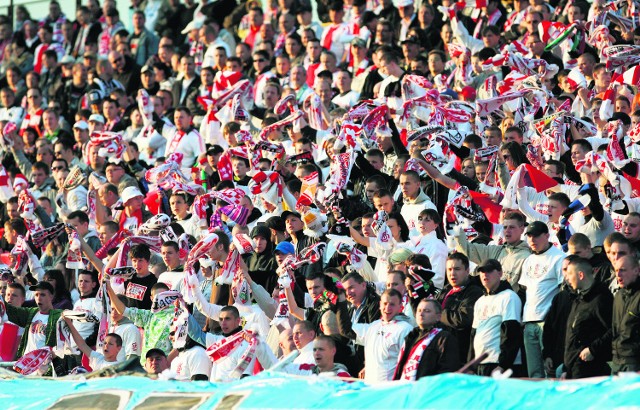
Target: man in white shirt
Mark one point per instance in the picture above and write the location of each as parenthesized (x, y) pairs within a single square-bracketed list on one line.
[(87, 286), (170, 252), (209, 36), (541, 278), (128, 332), (496, 328), (382, 339), (183, 138), (110, 350), (303, 335), (192, 363), (414, 201)]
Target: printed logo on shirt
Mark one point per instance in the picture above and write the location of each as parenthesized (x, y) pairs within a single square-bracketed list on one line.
[(488, 311), (135, 291), (38, 328)]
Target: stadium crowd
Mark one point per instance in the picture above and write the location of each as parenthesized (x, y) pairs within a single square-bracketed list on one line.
[(365, 188)]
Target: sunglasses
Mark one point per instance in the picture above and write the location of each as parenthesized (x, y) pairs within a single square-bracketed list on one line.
[(259, 60)]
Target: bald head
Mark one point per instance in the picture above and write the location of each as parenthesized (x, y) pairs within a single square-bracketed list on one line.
[(627, 270)]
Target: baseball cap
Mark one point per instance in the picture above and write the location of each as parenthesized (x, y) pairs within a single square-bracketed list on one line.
[(285, 248), (130, 192), (276, 223), (411, 39), (155, 351), (145, 68), (97, 118), (403, 3), (536, 228), (42, 286), (287, 214), (94, 97), (358, 42), (81, 125), (67, 59), (193, 25), (489, 265)]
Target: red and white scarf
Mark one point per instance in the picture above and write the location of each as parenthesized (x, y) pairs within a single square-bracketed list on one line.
[(228, 345), (410, 368), (33, 361)]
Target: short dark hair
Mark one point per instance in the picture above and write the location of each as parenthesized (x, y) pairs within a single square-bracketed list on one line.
[(586, 145), (231, 309), (515, 216), (223, 239), (140, 251), (41, 166), (172, 244), (82, 216), (459, 256), (306, 325), (352, 275), (17, 225), (16, 285), (419, 259), (93, 274), (560, 197), (392, 292), (117, 338)]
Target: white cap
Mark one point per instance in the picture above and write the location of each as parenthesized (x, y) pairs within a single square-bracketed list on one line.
[(97, 118), (130, 192), (403, 3), (81, 125), (193, 25), (67, 59)]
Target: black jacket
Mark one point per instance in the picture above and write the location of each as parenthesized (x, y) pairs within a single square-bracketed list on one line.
[(588, 325), (555, 326), (457, 313), (440, 356), (190, 96), (511, 338), (626, 325), (370, 313)]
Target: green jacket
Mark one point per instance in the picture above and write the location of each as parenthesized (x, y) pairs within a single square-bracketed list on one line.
[(23, 318)]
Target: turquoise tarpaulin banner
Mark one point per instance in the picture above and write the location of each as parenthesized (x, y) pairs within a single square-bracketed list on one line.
[(275, 391)]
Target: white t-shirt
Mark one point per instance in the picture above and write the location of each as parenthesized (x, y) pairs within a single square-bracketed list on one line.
[(382, 342), (37, 333), (191, 362), (131, 340), (85, 305), (171, 278), (488, 314), (436, 250), (98, 362), (542, 275), (410, 214)]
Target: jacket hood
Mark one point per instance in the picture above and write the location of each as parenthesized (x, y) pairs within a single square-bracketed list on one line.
[(422, 197), (401, 317), (504, 285)]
